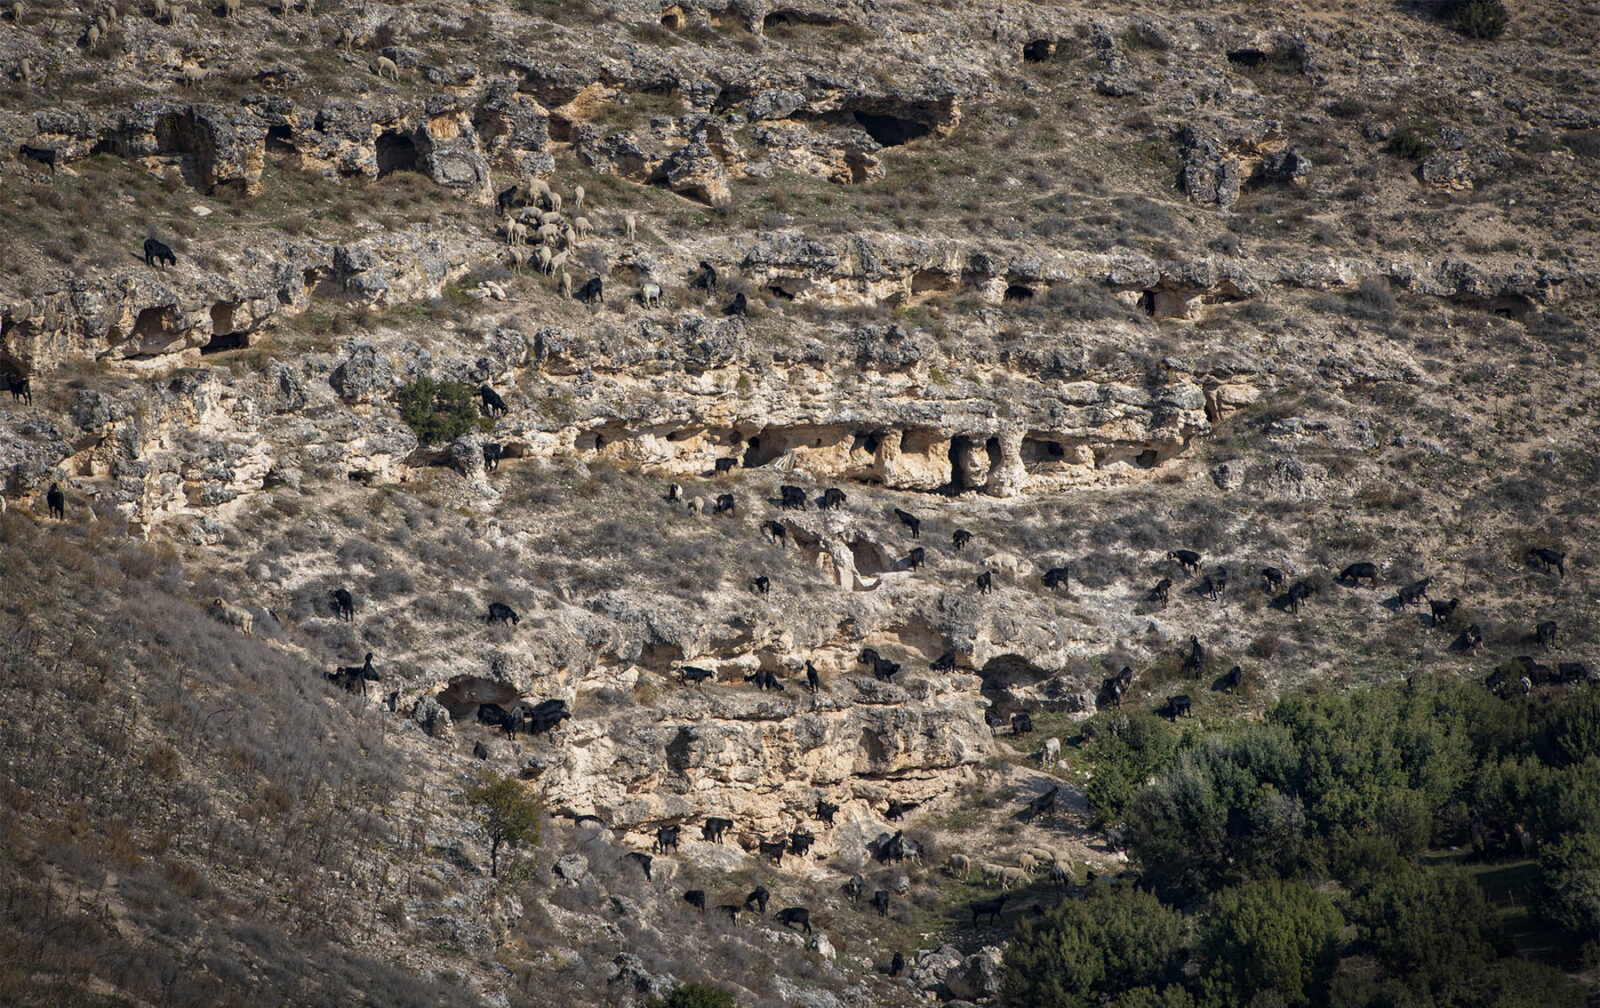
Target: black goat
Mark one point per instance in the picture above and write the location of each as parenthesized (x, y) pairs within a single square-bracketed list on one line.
[(825, 811), (1471, 639), (855, 887), (594, 289), (667, 839), (1195, 664), (960, 539), (1056, 577), (724, 505), (1042, 804), (794, 915), (691, 674), (492, 454), (344, 604), (792, 497), (813, 681), (880, 902), (1545, 634), (641, 859), (1212, 585), (945, 662), (985, 582), (885, 670), (1298, 593), (1272, 577), (761, 584), (832, 498), (1414, 592), (898, 808), (994, 721), (1231, 681), (1548, 559), (758, 899), (156, 252), (800, 843), (917, 557), (492, 403), (910, 521), (696, 898), (897, 965), (987, 908), (1180, 706), (20, 387), (502, 612), (353, 678), (707, 280), (1021, 724), (723, 465), (773, 850), (775, 532), (1189, 560), (731, 909), (1442, 611), (739, 306), (480, 751), (868, 656), (56, 501), (712, 832), (1160, 593), (1354, 573)]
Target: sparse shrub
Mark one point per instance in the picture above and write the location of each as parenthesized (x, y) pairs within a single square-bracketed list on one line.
[(437, 411), (695, 995), (1409, 144), (1478, 19), (1347, 108)]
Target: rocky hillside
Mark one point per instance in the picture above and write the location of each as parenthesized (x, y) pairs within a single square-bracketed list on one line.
[(1287, 287)]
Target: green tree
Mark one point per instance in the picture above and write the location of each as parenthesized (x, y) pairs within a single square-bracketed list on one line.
[(438, 411), (1272, 940), (511, 816), (1571, 872), (1117, 939), (1431, 927)]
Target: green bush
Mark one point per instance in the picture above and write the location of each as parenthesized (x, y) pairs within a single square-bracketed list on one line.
[(1409, 144), (1479, 19), (510, 814), (438, 411), (695, 995), (1272, 937), (1117, 939)]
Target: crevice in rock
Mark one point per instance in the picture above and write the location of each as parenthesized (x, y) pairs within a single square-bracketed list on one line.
[(464, 694), (397, 151), (1038, 50), (225, 341), (784, 17), (891, 130), (280, 140)]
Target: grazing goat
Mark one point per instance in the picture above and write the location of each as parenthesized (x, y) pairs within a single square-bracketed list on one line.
[(641, 859), (724, 504), (1195, 664), (1231, 681), (1056, 577), (1160, 593), (832, 498), (1545, 633), (775, 532), (1059, 876), (960, 538), (502, 612), (157, 252), (792, 497), (910, 521), (761, 584), (696, 898), (1355, 572), (1212, 585), (353, 678), (987, 908), (1188, 560), (712, 832), (880, 902), (1548, 558), (1180, 706), (1021, 724), (691, 674), (56, 501), (758, 899), (794, 915), (825, 811), (493, 405), (916, 558), (1272, 578), (1298, 593), (674, 492), (592, 290), (986, 582), (706, 280), (739, 306), (945, 662), (1414, 592), (344, 604), (232, 615)]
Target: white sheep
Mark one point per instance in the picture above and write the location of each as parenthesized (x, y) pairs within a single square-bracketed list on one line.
[(1043, 855), (230, 8), (630, 224), (111, 14), (569, 237), (92, 37), (1007, 563), (516, 233), (1050, 755), (347, 38), (538, 189), (582, 226), (25, 72), (174, 13), (551, 217), (577, 199), (1027, 863), (553, 199), (559, 262), (232, 615), (386, 67), (1013, 876), (519, 258), (991, 872), (191, 74), (960, 863), (17, 10), (161, 8), (566, 285), (697, 506), (546, 234), (541, 258), (650, 294)]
